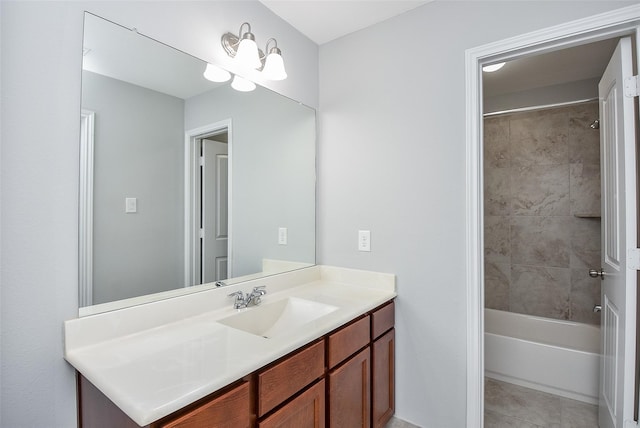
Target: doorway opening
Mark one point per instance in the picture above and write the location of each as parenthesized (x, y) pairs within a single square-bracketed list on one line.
[(606, 26), (208, 251)]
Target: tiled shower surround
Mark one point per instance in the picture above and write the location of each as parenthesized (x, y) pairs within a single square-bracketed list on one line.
[(542, 208)]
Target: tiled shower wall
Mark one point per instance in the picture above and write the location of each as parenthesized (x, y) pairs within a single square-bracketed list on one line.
[(542, 208)]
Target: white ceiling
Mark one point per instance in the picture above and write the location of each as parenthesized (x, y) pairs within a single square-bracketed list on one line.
[(563, 66), (326, 20)]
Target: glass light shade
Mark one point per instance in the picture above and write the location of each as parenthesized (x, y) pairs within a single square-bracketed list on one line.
[(216, 74), (241, 84), (247, 53), (274, 67), (493, 67)]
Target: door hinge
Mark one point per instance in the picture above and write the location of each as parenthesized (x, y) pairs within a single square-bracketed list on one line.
[(632, 86), (201, 233), (201, 161), (633, 258)]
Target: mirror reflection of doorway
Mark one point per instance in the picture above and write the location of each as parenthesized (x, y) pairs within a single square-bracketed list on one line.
[(208, 240), (213, 191)]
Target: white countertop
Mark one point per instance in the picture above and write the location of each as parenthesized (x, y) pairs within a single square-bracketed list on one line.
[(154, 359)]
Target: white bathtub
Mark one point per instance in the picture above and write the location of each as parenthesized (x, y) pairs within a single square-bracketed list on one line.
[(560, 357)]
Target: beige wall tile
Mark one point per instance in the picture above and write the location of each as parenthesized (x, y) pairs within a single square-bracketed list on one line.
[(541, 241), (541, 291)]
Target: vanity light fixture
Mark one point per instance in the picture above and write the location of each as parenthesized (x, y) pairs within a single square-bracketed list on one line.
[(493, 67), (244, 50), (216, 74), (241, 84), (273, 64)]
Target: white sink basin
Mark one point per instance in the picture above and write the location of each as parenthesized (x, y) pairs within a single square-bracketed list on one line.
[(275, 318)]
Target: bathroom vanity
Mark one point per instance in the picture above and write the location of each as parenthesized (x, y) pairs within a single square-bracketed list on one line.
[(318, 351)]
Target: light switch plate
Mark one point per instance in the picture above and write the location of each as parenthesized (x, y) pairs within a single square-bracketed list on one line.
[(130, 205), (364, 240), (282, 236)]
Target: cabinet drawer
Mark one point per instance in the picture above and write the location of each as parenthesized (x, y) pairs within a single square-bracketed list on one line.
[(382, 320), (306, 410), (231, 409), (289, 376), (347, 341)]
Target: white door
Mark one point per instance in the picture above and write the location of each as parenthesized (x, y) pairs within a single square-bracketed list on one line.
[(214, 203), (618, 157)]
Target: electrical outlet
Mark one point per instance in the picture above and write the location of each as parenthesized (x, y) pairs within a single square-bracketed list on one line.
[(364, 240)]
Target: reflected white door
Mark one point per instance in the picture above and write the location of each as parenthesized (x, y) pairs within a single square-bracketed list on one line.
[(215, 208), (618, 157)]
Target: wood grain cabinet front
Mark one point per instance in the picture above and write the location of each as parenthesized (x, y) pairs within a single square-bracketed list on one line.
[(305, 411), (382, 365), (383, 379), (289, 376), (229, 410), (350, 393)]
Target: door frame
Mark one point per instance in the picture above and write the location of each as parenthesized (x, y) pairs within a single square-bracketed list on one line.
[(616, 23), (191, 165), (85, 203)]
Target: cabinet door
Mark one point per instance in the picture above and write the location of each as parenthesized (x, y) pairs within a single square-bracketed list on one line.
[(383, 373), (305, 411), (350, 393), (229, 410)]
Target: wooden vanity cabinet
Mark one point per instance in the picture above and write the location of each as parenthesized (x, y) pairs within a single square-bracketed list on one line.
[(350, 392), (231, 409), (228, 408), (289, 376), (349, 388), (382, 365), (306, 410), (344, 379)]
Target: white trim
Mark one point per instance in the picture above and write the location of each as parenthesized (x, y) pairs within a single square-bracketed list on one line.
[(616, 23), (191, 227), (85, 209)]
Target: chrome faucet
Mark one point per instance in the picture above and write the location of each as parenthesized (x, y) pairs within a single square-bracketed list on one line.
[(254, 298)]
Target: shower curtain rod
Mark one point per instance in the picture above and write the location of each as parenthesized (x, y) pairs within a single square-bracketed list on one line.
[(540, 107)]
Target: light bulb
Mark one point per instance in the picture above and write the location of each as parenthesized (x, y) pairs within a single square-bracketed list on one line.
[(216, 74), (241, 84), (493, 67), (274, 66), (247, 53)]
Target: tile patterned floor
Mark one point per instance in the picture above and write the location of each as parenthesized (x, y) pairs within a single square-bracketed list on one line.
[(513, 406)]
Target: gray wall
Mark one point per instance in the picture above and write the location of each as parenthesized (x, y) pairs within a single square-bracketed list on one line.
[(542, 212), (392, 160), (392, 132), (41, 48), (273, 140), (138, 152)]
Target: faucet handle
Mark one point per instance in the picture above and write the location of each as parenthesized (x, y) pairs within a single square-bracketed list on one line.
[(260, 289), (239, 303)]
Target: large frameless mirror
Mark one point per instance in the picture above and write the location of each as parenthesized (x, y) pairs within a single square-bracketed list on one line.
[(184, 182)]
